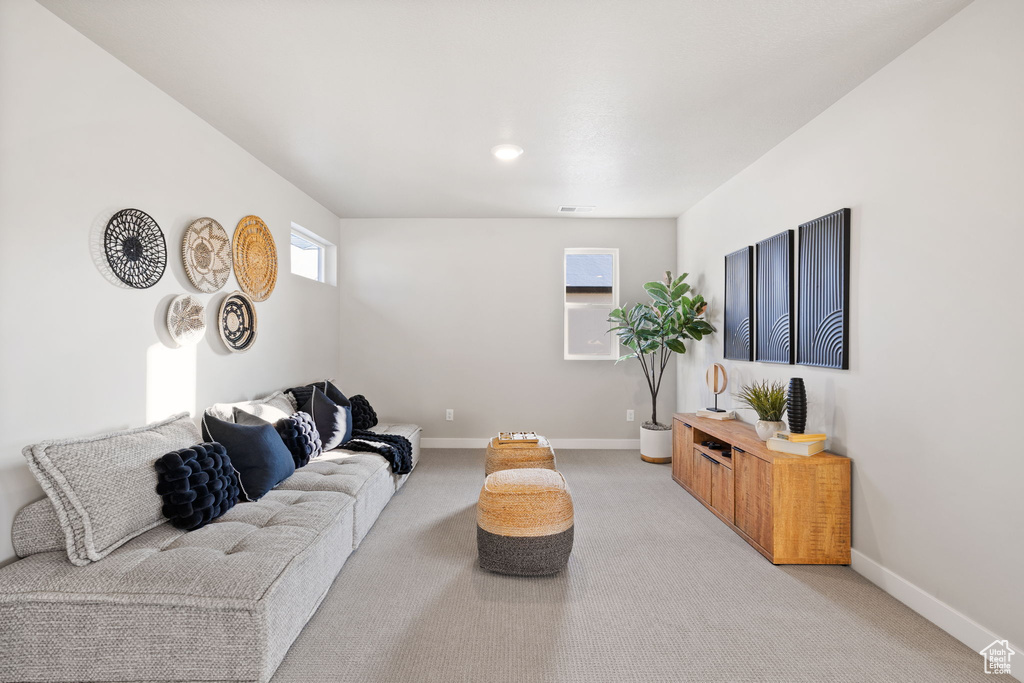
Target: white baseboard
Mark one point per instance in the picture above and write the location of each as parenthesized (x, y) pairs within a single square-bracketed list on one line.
[(960, 626), (481, 442)]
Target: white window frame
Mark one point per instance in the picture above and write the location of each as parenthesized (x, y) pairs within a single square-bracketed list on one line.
[(613, 353), (327, 256)]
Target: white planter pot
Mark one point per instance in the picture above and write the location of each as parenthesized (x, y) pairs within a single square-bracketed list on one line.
[(766, 430), (655, 445)]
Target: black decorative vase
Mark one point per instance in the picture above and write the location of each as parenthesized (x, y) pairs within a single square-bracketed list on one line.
[(796, 405)]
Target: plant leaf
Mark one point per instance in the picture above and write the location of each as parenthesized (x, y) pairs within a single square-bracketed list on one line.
[(676, 345)]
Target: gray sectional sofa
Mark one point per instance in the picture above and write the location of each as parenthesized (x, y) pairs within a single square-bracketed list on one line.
[(221, 603)]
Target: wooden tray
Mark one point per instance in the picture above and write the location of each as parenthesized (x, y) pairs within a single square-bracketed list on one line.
[(517, 439)]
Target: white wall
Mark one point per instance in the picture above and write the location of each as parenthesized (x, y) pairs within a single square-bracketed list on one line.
[(467, 314), (928, 155), (82, 136)]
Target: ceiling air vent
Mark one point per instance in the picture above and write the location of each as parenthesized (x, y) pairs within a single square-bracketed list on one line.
[(575, 209)]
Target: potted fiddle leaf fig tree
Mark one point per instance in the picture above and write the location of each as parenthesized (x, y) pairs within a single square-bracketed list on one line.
[(652, 332)]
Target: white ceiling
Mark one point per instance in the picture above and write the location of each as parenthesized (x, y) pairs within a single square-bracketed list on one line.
[(390, 108)]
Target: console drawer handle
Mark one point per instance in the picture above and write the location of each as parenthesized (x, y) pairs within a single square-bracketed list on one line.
[(705, 455)]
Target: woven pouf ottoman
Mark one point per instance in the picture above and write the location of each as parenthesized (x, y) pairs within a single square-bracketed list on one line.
[(524, 522), (513, 456)]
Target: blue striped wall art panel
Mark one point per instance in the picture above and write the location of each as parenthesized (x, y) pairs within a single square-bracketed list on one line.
[(823, 304), (774, 299), (739, 304)]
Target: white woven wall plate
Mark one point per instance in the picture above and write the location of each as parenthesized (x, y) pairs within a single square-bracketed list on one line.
[(206, 253), (186, 319)]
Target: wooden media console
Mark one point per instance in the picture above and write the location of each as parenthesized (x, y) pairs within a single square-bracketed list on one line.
[(792, 509)]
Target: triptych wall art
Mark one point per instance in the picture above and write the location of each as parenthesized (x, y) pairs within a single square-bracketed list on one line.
[(136, 253), (774, 316)]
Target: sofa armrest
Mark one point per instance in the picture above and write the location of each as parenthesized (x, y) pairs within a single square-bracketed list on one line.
[(37, 530)]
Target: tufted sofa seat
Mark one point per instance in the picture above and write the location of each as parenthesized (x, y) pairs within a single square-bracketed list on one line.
[(221, 603)]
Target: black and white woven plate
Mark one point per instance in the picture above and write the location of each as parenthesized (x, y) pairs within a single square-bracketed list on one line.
[(237, 322)]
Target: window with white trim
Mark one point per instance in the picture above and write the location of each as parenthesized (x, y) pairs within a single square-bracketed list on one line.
[(591, 293), (311, 255)]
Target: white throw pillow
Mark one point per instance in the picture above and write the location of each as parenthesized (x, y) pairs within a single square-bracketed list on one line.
[(103, 488), (270, 408)]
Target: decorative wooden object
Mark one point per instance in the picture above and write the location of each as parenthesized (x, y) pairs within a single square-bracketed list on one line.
[(186, 319), (237, 322), (717, 380), (135, 248), (255, 257), (739, 304), (774, 316), (792, 509), (823, 336), (206, 253)]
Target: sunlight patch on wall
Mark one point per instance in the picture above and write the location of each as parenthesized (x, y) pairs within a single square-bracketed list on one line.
[(170, 381)]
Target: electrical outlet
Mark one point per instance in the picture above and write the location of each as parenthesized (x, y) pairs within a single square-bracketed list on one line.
[(449, 414), (630, 415)]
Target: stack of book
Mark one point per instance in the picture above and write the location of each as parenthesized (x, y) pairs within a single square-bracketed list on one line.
[(797, 444), (722, 415)]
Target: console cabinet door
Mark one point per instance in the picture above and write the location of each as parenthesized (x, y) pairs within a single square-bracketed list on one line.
[(753, 492), (682, 449), (722, 490), (701, 476)]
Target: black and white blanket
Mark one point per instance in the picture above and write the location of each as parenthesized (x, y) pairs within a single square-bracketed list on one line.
[(395, 448)]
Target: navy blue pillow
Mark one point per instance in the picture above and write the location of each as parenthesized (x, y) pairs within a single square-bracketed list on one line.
[(363, 414), (256, 451), (197, 485), (332, 421), (303, 394), (298, 433)]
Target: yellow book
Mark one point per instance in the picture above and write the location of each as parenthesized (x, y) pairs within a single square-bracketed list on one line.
[(800, 438)]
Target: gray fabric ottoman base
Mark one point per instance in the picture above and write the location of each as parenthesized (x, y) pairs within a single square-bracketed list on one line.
[(524, 555)]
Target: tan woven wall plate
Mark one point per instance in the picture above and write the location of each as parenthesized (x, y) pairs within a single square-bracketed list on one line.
[(255, 256), (206, 253), (237, 322), (186, 320)]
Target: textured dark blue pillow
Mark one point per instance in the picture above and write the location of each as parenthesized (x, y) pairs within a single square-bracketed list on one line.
[(257, 454), (300, 436), (332, 421), (363, 414), (303, 394), (298, 433), (197, 485)]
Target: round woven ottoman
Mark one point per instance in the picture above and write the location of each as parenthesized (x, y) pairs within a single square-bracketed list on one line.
[(524, 522), (515, 456)]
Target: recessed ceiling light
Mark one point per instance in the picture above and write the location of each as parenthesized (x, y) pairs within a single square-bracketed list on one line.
[(507, 152)]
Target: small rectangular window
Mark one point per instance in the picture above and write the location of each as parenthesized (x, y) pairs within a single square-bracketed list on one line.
[(311, 255), (591, 293)]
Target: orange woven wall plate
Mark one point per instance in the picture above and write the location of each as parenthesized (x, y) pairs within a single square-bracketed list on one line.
[(255, 257)]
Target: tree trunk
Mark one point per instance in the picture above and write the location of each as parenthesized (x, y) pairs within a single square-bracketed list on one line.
[(654, 406)]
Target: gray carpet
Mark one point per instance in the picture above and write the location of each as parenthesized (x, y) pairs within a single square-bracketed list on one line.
[(657, 589)]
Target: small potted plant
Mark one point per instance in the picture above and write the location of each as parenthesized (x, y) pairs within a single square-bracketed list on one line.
[(768, 400), (652, 332)]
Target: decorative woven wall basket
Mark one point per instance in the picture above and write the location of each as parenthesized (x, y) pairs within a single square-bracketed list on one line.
[(237, 321), (135, 248), (206, 253), (186, 319), (255, 256)]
